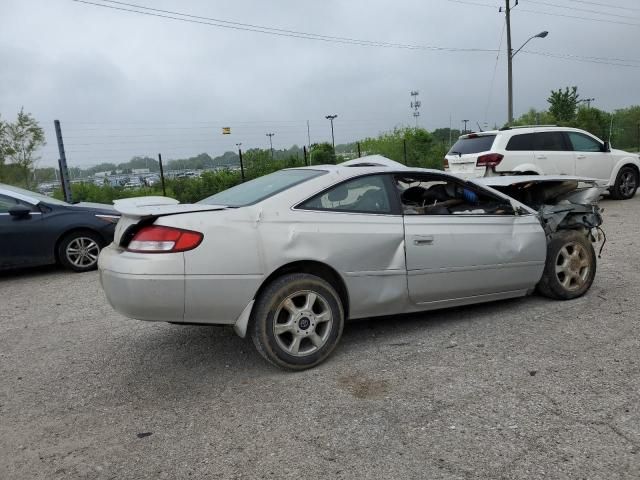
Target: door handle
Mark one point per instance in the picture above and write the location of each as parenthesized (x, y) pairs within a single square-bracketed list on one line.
[(423, 241), (541, 157), (581, 157)]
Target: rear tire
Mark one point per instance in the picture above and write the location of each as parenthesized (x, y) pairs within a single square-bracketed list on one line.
[(297, 321), (78, 251), (570, 267), (626, 184)]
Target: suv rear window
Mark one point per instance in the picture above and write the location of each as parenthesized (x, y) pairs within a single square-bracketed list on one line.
[(481, 143)]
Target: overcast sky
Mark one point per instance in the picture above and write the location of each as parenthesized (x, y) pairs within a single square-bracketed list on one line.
[(125, 84)]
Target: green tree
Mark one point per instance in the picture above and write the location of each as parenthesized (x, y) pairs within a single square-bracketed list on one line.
[(563, 104), (593, 120), (22, 140), (535, 117), (322, 154)]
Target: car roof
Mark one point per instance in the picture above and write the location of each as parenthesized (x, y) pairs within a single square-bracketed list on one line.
[(518, 130)]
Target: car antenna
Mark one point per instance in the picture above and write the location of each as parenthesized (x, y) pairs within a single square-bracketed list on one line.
[(479, 127)]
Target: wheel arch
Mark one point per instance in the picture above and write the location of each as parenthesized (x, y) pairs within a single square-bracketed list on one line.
[(313, 267), (625, 162)]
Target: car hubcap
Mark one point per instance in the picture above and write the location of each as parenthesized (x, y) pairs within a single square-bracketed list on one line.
[(302, 323), (573, 266), (83, 252), (627, 183)]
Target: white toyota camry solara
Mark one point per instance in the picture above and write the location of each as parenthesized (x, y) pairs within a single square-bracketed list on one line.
[(288, 257)]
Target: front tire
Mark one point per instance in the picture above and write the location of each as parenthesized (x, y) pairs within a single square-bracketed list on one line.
[(78, 251), (570, 267), (626, 184), (297, 321)]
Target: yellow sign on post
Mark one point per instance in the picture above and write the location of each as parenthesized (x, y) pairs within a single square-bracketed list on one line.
[(226, 130)]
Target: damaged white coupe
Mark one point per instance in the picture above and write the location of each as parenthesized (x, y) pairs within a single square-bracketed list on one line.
[(287, 258)]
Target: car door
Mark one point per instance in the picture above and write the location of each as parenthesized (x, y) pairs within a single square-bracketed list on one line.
[(465, 243), (355, 227), (553, 152), (590, 158), (19, 245)]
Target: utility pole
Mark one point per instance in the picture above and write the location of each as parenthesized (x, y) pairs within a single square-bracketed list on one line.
[(415, 105), (241, 165), (164, 191), (465, 126), (509, 60), (331, 118), (308, 137), (270, 135), (638, 137), (62, 163)]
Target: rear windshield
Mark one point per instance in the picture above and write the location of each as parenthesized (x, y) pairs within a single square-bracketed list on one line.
[(477, 144), (260, 188)]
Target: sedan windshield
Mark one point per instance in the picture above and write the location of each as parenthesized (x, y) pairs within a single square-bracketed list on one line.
[(260, 188)]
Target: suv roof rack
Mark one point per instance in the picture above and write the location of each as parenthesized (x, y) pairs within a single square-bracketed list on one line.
[(525, 126)]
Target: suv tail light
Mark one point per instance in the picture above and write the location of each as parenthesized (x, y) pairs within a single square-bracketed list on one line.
[(158, 239), (489, 160), (445, 163)]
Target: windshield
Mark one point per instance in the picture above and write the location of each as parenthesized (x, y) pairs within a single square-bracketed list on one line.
[(260, 188), (36, 196), (481, 143)]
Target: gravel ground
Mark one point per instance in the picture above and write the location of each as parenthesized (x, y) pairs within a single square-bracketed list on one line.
[(529, 388)]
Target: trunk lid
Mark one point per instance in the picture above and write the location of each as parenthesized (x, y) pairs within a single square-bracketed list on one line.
[(144, 210)]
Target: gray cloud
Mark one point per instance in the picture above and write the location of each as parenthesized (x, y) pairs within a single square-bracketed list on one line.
[(155, 85)]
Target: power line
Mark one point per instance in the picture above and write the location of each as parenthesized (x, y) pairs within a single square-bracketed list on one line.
[(603, 20), (597, 12), (495, 69), (580, 59), (213, 22), (606, 5)]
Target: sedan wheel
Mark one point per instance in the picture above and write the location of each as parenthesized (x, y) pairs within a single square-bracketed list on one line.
[(297, 321), (570, 266), (79, 251)]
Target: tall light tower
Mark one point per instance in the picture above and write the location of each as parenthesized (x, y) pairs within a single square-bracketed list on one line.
[(270, 135), (415, 105)]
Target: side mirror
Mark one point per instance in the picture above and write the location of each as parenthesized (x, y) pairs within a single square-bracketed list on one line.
[(606, 147), (19, 211)]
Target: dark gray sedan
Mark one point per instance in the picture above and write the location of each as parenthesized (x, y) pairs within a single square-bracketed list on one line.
[(39, 230)]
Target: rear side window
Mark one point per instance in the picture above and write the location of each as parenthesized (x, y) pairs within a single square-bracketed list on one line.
[(521, 142), (550, 141), (480, 143), (582, 143)]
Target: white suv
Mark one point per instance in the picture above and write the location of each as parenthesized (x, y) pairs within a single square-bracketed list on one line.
[(545, 150)]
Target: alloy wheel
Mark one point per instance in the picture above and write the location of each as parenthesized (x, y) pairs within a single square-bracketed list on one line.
[(82, 252), (573, 266), (627, 183), (302, 323)]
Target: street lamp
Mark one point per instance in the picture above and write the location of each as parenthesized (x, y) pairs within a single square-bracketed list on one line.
[(510, 56), (331, 118)]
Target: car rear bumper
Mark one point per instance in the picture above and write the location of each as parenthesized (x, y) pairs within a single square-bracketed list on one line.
[(467, 174), (154, 287), (143, 286)]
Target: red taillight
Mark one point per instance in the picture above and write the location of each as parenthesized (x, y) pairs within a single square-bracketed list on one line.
[(445, 163), (489, 160), (158, 239)]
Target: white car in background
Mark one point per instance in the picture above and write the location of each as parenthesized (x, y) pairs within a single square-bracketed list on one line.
[(288, 257), (545, 150)]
